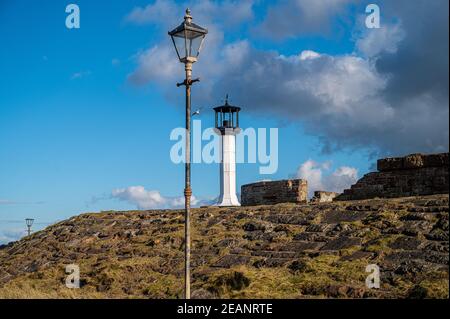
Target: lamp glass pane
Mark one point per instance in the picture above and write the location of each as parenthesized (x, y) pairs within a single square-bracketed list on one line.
[(194, 46), (180, 44)]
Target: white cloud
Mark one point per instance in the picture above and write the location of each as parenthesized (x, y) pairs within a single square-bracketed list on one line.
[(11, 234), (315, 173), (152, 199), (383, 40), (164, 12), (156, 64), (294, 18), (308, 54), (157, 12), (371, 99)]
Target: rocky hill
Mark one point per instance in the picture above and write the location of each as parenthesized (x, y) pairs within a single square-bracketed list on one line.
[(277, 251)]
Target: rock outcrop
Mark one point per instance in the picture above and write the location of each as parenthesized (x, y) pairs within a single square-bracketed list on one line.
[(273, 251), (274, 192), (412, 175)]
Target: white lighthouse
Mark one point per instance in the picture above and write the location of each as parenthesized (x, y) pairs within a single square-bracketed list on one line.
[(227, 125)]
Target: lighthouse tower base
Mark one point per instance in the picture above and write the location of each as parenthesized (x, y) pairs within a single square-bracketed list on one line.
[(228, 171)]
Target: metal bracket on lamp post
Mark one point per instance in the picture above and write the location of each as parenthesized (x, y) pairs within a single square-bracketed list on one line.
[(188, 82)]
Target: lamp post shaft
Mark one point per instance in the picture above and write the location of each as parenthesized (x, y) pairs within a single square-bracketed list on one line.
[(187, 189)]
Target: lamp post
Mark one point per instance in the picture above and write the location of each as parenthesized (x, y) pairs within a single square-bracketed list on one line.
[(29, 222), (188, 39)]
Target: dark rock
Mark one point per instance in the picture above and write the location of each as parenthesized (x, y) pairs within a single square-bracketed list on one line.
[(227, 242), (442, 223), (357, 255), (441, 247), (253, 226), (281, 228), (229, 261), (417, 292), (437, 234), (342, 243), (202, 294), (410, 267), (308, 236), (318, 228), (232, 281), (337, 216), (429, 256), (414, 216), (254, 235), (275, 254), (288, 219), (300, 246), (405, 243), (271, 262), (437, 258), (410, 232), (242, 216), (342, 228), (299, 265), (343, 291)]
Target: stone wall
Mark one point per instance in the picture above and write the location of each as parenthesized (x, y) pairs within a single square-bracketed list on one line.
[(274, 192), (412, 175)]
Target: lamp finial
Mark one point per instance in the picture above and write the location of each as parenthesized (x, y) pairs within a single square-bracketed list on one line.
[(187, 16)]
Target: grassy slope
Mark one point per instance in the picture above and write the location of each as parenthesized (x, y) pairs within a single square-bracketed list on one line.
[(139, 254)]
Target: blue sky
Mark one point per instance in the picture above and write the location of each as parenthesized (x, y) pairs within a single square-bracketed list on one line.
[(84, 112)]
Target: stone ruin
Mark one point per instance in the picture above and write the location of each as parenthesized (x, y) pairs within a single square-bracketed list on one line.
[(412, 175), (274, 192)]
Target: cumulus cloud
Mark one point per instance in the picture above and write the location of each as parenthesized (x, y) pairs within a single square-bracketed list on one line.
[(299, 17), (158, 12), (11, 234), (318, 179), (308, 54), (162, 12), (389, 96), (156, 63), (152, 199), (383, 40)]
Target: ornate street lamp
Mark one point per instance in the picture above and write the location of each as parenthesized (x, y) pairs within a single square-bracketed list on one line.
[(29, 222), (188, 39)]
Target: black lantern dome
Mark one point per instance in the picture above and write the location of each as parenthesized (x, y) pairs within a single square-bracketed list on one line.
[(227, 116), (188, 39)]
